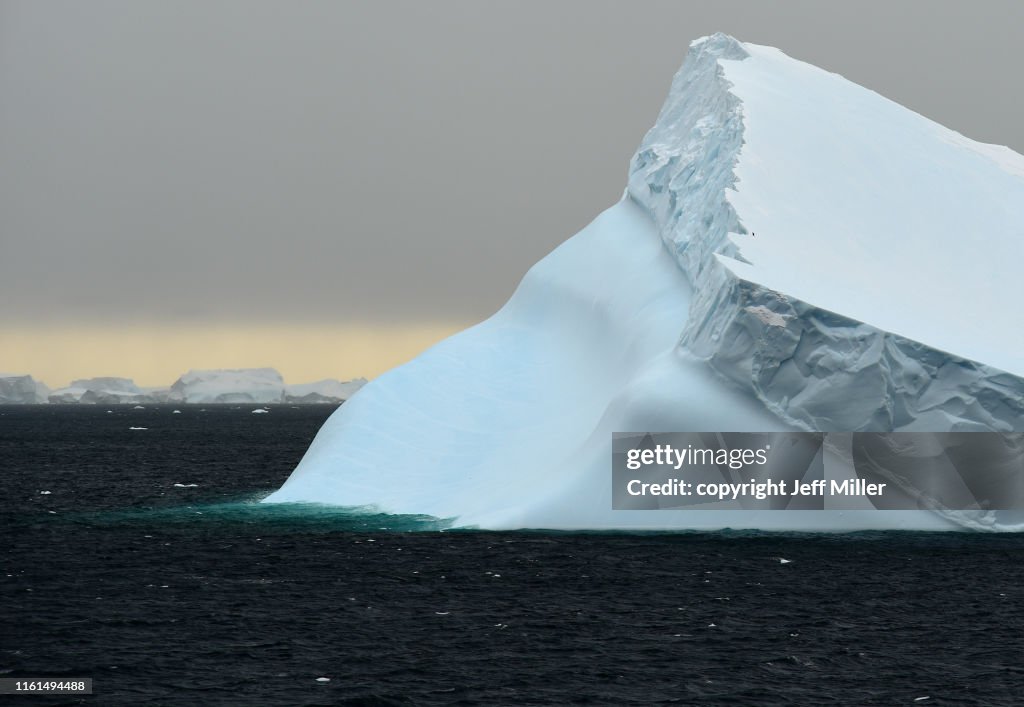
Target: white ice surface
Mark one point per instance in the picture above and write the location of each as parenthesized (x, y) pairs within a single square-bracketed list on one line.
[(864, 208)]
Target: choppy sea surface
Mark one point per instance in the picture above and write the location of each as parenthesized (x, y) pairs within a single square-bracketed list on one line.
[(139, 558)]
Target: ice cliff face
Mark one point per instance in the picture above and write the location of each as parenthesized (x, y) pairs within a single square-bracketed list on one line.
[(837, 243), (685, 164)]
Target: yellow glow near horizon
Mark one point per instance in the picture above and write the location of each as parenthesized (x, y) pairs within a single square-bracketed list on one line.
[(157, 355)]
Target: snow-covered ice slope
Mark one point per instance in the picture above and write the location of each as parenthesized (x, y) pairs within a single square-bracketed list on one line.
[(794, 251), (496, 423)]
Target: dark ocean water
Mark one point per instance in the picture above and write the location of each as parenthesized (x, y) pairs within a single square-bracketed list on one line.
[(193, 595)]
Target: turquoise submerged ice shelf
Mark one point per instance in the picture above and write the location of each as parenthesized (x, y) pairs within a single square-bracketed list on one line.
[(793, 252)]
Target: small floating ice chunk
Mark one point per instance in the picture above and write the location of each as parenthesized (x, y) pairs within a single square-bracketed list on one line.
[(442, 613), (784, 561), (185, 486), (259, 410), (44, 493), (138, 428), (922, 699), (323, 679), (175, 412), (139, 407)]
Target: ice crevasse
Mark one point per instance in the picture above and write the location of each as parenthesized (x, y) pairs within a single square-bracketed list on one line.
[(793, 251)]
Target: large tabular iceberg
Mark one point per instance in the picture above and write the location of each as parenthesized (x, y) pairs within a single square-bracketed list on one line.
[(793, 251), (232, 385)]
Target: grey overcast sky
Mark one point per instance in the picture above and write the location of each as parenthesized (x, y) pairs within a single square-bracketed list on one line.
[(383, 160)]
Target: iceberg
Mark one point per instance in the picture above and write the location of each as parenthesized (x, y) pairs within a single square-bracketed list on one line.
[(328, 390), (19, 389), (240, 385), (231, 385), (792, 252), (257, 385), (104, 390)]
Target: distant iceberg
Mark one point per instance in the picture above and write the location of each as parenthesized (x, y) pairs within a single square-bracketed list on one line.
[(199, 387), (234, 385), (322, 391), (257, 385), (793, 252), (105, 390), (20, 389)]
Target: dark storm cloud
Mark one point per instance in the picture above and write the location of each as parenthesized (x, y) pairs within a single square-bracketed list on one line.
[(383, 160)]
